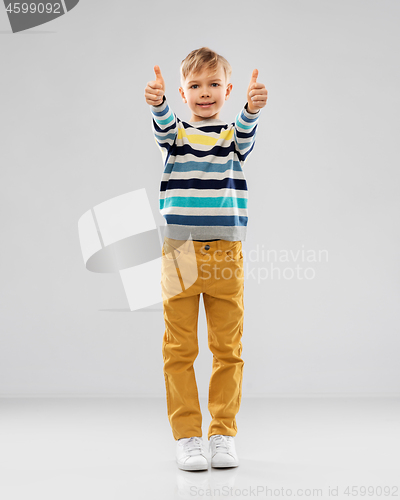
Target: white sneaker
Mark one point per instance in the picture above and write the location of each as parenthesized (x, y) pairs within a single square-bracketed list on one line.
[(190, 454), (222, 451)]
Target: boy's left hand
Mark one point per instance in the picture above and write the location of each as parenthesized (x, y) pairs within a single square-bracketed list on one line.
[(257, 94)]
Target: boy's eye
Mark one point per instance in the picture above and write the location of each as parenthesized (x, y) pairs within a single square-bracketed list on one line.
[(194, 86)]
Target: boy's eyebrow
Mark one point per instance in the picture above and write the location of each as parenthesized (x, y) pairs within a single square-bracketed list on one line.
[(210, 79)]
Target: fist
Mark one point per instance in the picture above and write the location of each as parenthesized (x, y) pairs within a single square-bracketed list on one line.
[(257, 94), (154, 91)]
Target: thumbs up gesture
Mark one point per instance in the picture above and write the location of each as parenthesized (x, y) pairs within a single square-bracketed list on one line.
[(257, 94), (155, 89)]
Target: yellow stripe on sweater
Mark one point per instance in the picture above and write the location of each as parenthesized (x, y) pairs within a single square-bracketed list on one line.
[(203, 139)]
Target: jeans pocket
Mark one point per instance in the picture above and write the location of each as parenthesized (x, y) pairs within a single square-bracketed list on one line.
[(234, 253), (171, 252)]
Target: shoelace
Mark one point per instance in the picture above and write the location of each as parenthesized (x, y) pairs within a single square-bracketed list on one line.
[(193, 446), (222, 443)]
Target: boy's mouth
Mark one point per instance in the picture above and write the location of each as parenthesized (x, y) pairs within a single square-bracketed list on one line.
[(205, 104)]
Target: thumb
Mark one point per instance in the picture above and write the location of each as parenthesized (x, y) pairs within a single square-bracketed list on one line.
[(159, 77), (254, 76)]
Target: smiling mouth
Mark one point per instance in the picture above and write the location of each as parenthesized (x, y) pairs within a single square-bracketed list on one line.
[(206, 104)]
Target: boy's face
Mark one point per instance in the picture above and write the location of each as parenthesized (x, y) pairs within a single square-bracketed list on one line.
[(205, 93)]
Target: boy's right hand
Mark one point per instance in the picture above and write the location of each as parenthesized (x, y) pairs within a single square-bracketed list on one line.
[(154, 91)]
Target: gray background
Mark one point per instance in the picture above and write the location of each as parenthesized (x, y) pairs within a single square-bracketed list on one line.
[(76, 131)]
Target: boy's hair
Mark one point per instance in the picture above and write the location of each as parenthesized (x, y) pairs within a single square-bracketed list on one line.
[(202, 58)]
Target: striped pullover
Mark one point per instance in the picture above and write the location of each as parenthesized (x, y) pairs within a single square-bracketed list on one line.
[(203, 191)]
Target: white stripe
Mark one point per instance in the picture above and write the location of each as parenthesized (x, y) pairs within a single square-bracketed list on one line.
[(204, 211), (198, 131), (208, 158), (201, 174)]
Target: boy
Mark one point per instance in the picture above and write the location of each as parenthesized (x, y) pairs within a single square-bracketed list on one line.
[(203, 197)]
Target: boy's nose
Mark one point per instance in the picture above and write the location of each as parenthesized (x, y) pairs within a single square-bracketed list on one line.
[(205, 92)]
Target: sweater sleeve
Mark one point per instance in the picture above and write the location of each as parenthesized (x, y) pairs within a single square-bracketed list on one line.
[(245, 132), (165, 126)]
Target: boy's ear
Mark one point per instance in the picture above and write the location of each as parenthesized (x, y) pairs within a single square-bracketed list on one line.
[(182, 94), (228, 91)]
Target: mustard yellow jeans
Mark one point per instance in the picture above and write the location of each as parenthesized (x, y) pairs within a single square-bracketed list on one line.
[(214, 269)]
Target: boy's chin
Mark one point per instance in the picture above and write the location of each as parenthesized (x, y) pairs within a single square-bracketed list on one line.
[(204, 115), (201, 118)]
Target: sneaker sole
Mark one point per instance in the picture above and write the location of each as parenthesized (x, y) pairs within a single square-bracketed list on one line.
[(224, 465), (193, 467)]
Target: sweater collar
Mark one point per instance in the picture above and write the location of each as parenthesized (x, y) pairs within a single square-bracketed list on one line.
[(204, 123)]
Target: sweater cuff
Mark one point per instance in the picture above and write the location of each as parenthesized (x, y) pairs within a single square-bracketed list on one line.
[(249, 115), (160, 107)]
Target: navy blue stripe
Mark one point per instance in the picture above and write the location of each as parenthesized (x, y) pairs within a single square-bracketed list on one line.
[(163, 130), (206, 220), (243, 157), (238, 184), (206, 128), (165, 145), (246, 135), (218, 151)]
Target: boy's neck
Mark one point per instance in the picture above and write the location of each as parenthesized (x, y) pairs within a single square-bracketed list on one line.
[(205, 121), (195, 118)]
